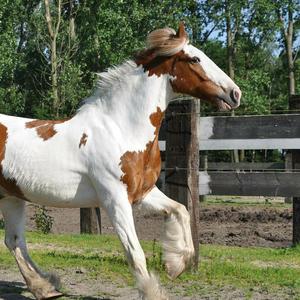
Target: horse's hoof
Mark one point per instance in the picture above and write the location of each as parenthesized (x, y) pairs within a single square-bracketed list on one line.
[(52, 295)]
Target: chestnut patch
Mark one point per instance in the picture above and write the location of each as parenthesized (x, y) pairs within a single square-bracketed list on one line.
[(44, 128), (141, 169), (9, 185), (189, 77), (83, 140)]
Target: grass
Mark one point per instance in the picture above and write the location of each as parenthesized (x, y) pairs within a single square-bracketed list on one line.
[(248, 269), (246, 201)]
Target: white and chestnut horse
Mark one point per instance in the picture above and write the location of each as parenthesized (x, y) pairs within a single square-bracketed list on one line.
[(107, 155)]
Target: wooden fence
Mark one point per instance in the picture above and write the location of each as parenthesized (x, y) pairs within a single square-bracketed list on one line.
[(249, 132), (244, 179)]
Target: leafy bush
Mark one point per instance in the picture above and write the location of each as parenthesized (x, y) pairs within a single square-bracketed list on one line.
[(43, 220)]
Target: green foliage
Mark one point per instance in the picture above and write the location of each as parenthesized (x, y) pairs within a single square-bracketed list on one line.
[(106, 33), (255, 92), (11, 101), (43, 220)]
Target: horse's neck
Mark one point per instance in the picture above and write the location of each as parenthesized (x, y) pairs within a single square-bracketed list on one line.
[(134, 98)]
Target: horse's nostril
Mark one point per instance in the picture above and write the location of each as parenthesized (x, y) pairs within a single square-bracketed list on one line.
[(235, 96)]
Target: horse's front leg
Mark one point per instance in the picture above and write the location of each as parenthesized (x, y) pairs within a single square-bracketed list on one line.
[(120, 212), (42, 285), (177, 242)]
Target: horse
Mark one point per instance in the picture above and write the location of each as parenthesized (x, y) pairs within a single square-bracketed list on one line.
[(108, 155)]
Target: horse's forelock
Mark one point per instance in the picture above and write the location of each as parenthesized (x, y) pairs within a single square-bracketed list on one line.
[(166, 42)]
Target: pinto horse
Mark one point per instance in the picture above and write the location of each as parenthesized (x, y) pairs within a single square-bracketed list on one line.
[(107, 155)]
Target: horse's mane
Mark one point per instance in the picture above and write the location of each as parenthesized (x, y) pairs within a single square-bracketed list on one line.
[(114, 74), (160, 42), (166, 42), (106, 80)]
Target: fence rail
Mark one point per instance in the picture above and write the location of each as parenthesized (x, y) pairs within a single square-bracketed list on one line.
[(247, 132), (245, 166), (273, 184)]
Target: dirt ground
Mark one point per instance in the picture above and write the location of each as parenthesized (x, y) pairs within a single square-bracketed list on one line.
[(262, 225), (78, 286)]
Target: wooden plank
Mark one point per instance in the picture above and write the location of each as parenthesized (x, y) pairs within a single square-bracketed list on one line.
[(223, 166), (251, 127), (182, 151), (90, 220), (250, 144), (255, 144), (284, 184), (294, 104), (250, 132), (247, 132), (296, 201)]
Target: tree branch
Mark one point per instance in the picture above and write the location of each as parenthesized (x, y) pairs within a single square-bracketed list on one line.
[(295, 56), (208, 33), (48, 19), (58, 17), (280, 19)]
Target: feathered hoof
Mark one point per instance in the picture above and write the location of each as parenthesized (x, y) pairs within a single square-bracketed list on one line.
[(150, 288), (177, 263), (51, 295), (45, 287)]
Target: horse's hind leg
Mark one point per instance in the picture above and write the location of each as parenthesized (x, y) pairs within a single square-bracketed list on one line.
[(42, 285), (177, 242)]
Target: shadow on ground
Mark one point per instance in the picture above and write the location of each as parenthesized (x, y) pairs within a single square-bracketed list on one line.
[(75, 297), (14, 291)]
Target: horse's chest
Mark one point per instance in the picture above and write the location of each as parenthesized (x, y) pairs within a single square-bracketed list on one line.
[(141, 170)]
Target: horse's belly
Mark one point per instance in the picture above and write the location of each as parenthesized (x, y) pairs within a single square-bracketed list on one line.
[(65, 194)]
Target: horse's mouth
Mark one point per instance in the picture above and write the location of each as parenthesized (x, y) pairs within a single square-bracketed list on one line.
[(223, 105)]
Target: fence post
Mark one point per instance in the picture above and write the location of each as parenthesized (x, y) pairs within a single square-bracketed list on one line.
[(294, 104), (182, 161), (90, 220)]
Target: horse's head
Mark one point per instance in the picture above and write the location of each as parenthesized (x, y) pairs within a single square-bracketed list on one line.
[(191, 72)]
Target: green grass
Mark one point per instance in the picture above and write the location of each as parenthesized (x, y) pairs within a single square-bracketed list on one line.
[(246, 201), (265, 269)]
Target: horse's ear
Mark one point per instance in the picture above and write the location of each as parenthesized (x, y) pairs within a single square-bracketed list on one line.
[(181, 33)]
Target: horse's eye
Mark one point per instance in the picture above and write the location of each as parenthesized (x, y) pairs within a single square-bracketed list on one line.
[(195, 60)]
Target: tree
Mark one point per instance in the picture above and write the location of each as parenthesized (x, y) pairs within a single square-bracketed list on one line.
[(288, 13), (53, 30), (10, 96), (45, 53)]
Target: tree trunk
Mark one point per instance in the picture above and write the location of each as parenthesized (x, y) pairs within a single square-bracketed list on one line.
[(72, 33), (287, 34), (53, 33), (230, 46), (230, 60), (289, 50), (54, 78)]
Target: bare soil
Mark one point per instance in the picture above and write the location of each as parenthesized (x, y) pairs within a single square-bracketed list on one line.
[(261, 225)]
